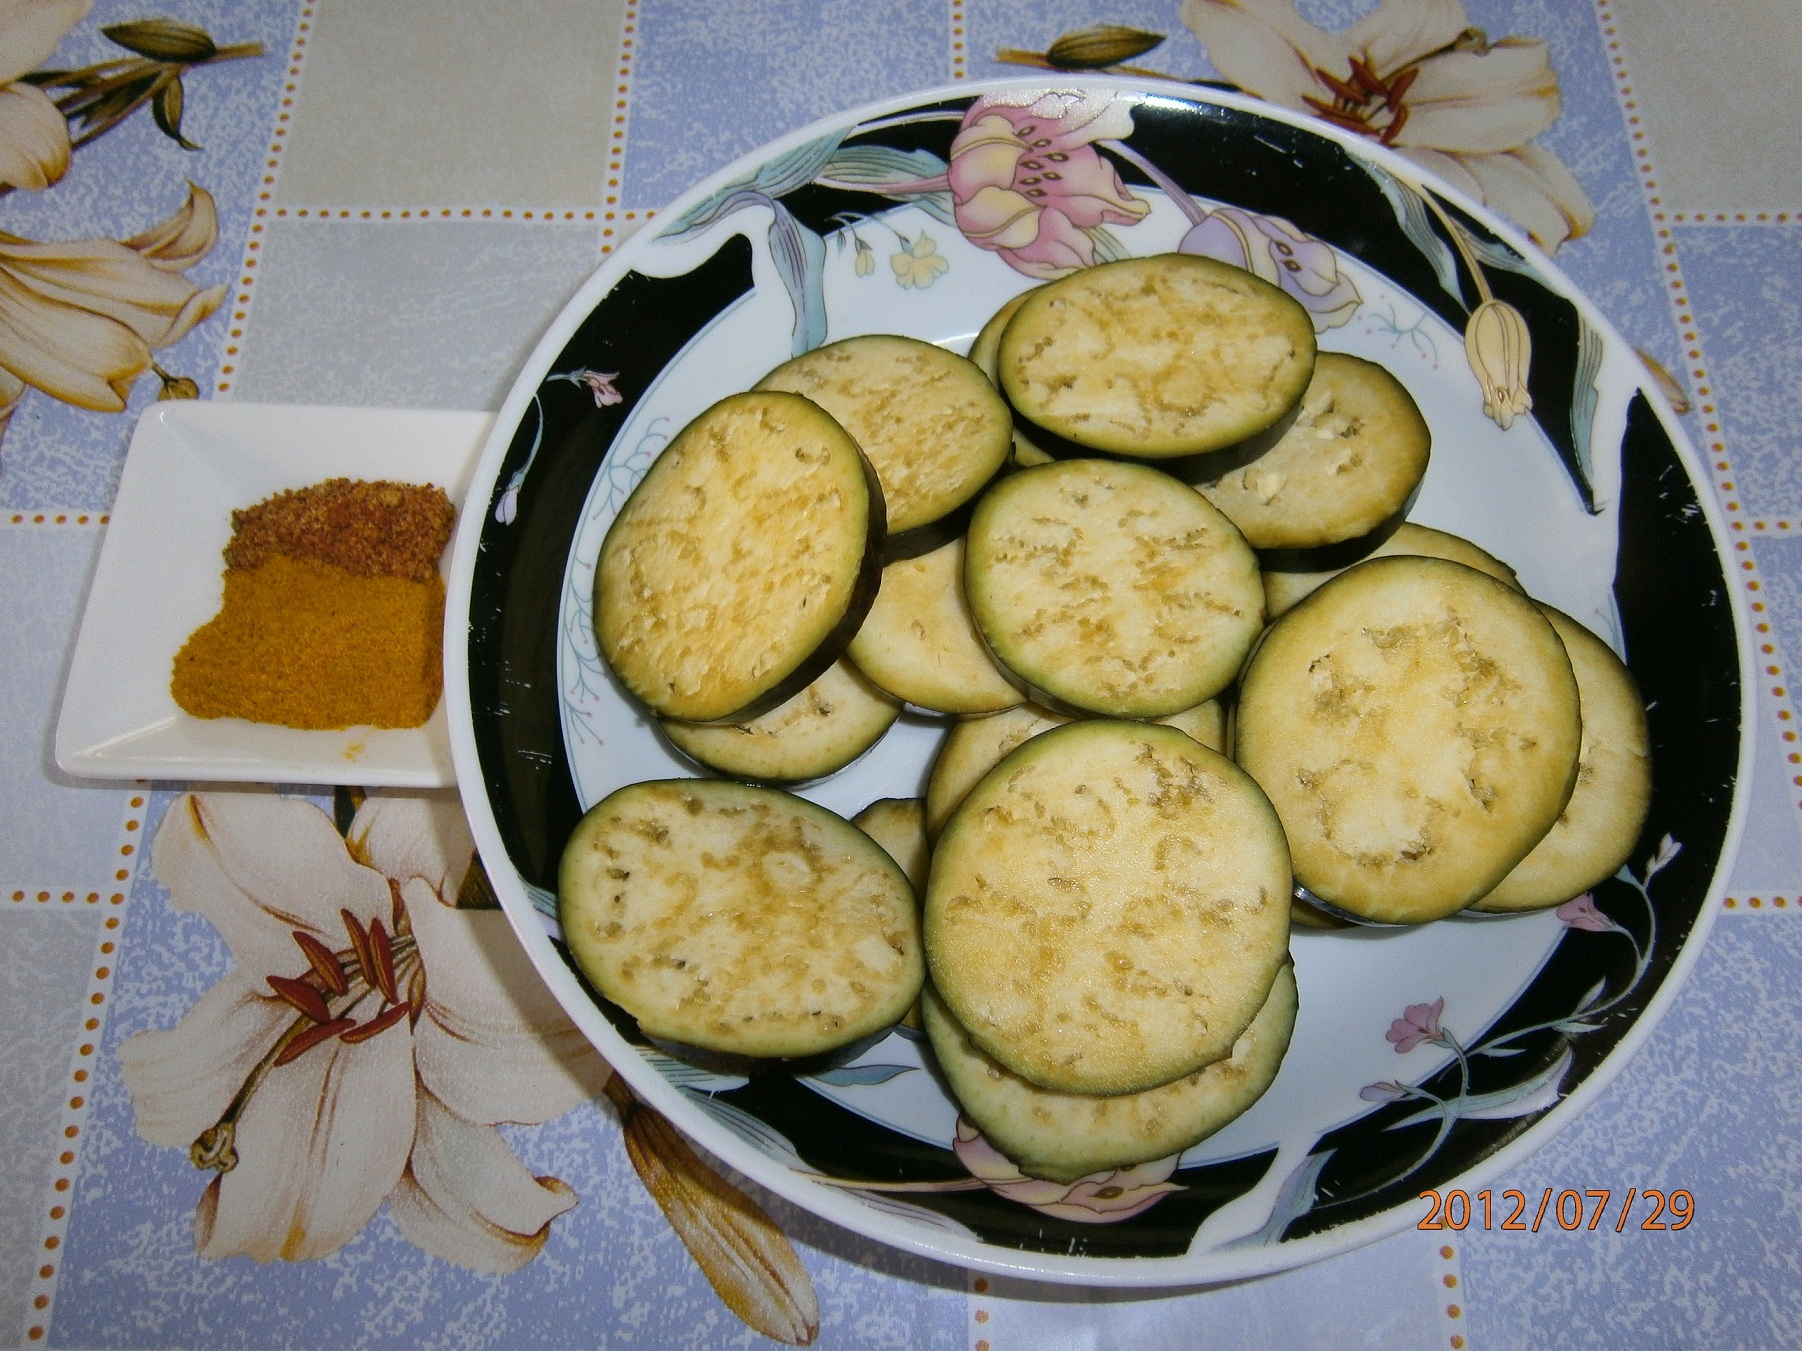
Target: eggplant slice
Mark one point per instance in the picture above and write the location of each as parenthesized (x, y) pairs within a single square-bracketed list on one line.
[(1065, 1136), (1346, 468), (739, 920), (743, 562), (1111, 588), (921, 645), (1416, 724), (818, 732), (1600, 824), (1284, 589), (1156, 358), (930, 421), (1108, 907)]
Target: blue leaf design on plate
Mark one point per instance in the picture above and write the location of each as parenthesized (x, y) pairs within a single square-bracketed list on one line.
[(1291, 1203), (800, 258), (1416, 222), (880, 166), (854, 1076), (774, 178), (1530, 1095)]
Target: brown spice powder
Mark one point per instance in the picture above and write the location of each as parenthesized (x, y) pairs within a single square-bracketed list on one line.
[(333, 613), (377, 529), (310, 645)]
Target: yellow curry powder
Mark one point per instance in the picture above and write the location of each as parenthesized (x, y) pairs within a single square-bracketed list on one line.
[(326, 622)]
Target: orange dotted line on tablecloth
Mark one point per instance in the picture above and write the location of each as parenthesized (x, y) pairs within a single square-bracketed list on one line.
[(75, 1108), (1734, 217), (1772, 670), (1451, 1277), (1759, 902), (425, 213), (960, 54), (127, 849), (612, 218), (56, 518), (271, 169), (979, 1286)]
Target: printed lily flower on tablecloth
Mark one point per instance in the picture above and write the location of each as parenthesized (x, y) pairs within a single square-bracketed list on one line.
[(1416, 76), (364, 1044), (1100, 1198), (79, 320), (1027, 182), (34, 135)]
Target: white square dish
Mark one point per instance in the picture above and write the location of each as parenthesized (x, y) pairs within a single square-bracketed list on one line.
[(160, 577)]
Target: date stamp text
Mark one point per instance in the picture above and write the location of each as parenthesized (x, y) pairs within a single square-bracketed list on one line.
[(1515, 1212)]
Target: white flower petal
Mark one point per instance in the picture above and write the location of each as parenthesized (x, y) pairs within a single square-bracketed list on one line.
[(34, 138), (1449, 167), (466, 1198), (1264, 46), (198, 306), (1400, 31), (320, 1145), (101, 277), (30, 30), (493, 1044), (70, 354), (1482, 104), (185, 238), (182, 1080), (1532, 187), (258, 867), (415, 835)]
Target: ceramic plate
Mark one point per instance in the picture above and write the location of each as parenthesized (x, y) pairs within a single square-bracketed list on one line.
[(1424, 1058), (159, 579)]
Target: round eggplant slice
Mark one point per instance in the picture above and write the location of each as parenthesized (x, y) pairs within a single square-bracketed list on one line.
[(1283, 590), (1156, 358), (1111, 588), (742, 563), (898, 824), (971, 749), (974, 747), (1416, 724), (818, 732), (1347, 467), (1065, 1136), (983, 352), (931, 423), (1108, 907), (920, 644), (739, 920), (1600, 824)]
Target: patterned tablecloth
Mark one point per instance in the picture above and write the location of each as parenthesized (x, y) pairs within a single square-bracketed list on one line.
[(316, 201)]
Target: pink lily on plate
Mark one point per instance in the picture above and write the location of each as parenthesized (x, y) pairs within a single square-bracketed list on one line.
[(1416, 76), (1027, 182), (1418, 1023), (1107, 1197), (365, 1042)]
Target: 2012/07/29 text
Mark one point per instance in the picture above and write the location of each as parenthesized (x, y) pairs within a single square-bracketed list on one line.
[(1456, 1209)]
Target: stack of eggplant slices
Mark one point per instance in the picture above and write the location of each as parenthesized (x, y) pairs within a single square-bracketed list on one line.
[(1145, 550)]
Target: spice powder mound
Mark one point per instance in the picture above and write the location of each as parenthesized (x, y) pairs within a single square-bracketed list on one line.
[(333, 613)]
